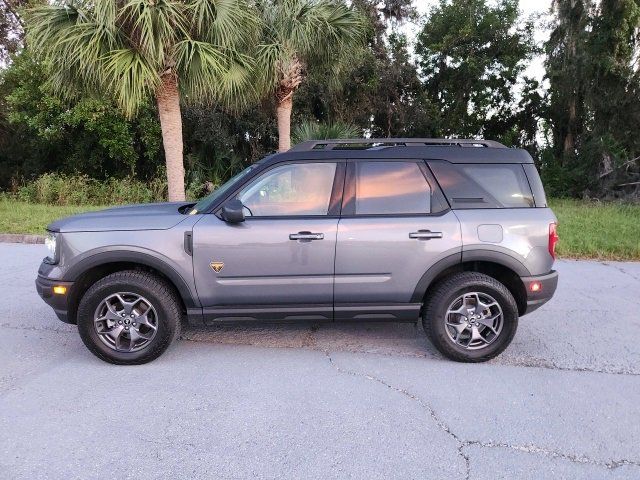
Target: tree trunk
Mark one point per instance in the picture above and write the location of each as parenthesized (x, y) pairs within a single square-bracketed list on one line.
[(283, 112), (291, 76), (569, 143), (168, 99)]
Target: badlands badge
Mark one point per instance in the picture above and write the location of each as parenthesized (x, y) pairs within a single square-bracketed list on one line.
[(217, 266)]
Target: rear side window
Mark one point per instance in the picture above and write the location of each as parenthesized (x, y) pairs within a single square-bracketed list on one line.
[(507, 183), (487, 185), (391, 188)]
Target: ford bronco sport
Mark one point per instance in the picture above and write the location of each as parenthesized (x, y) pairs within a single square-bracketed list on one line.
[(455, 232)]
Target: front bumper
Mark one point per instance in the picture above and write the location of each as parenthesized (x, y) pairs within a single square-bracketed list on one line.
[(547, 287), (59, 303)]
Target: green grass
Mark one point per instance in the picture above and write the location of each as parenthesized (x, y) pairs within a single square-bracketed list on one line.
[(597, 230), (21, 217), (605, 231)]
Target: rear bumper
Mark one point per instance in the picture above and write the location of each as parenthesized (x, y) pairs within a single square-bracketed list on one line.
[(547, 283), (59, 303)]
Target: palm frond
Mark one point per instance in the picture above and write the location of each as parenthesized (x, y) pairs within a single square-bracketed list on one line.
[(122, 48), (154, 27), (131, 78), (209, 73), (46, 22), (232, 23), (267, 58), (311, 29), (312, 130), (197, 63)]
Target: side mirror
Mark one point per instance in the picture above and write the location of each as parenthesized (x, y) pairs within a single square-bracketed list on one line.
[(233, 211)]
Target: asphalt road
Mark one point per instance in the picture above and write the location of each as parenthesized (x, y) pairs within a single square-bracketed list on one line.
[(328, 401)]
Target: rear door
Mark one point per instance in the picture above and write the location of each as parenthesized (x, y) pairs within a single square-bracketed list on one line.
[(279, 262), (395, 224)]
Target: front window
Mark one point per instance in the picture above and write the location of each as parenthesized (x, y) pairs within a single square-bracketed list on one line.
[(205, 203), (292, 189)]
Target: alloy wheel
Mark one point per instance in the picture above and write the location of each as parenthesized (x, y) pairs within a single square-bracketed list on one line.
[(474, 320), (126, 322)]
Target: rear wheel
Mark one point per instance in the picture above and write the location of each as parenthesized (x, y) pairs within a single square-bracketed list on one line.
[(129, 317), (470, 317)]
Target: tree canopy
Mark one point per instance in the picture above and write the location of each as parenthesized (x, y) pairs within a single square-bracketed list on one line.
[(90, 104)]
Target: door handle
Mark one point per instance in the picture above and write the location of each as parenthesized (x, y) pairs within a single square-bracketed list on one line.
[(425, 235), (306, 236)]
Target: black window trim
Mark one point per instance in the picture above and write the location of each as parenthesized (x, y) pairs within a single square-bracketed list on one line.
[(335, 201), (349, 196)]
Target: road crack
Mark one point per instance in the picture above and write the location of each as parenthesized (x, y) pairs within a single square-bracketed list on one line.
[(464, 443), (621, 270), (432, 414), (533, 449)]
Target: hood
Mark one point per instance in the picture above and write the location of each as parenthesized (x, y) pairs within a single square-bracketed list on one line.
[(150, 216)]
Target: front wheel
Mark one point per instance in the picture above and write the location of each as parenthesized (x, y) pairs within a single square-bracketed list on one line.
[(470, 317), (129, 317)]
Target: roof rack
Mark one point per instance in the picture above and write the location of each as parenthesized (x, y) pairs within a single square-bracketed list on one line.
[(367, 143)]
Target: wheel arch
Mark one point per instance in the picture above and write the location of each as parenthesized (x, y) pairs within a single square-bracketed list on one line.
[(92, 268), (507, 272)]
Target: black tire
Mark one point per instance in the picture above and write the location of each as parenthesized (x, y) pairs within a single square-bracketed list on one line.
[(442, 296), (161, 295)]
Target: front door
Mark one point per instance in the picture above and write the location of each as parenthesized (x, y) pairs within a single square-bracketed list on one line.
[(395, 225), (279, 262)]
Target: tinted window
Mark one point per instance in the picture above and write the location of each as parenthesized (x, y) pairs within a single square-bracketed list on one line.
[(391, 188), (292, 189), (536, 184), (506, 183)]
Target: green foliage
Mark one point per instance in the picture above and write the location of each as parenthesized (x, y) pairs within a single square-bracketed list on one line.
[(380, 92), (585, 229), (316, 34), (60, 189), (123, 49), (594, 97), (464, 78), (21, 217), (310, 130), (472, 54), (89, 135)]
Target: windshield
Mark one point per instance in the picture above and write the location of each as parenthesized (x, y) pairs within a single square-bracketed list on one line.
[(210, 199)]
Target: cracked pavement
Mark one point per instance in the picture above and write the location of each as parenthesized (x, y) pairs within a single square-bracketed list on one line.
[(356, 400)]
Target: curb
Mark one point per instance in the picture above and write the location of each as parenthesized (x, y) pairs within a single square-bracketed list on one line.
[(20, 238)]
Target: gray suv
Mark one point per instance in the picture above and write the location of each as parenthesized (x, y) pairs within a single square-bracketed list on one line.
[(454, 232)]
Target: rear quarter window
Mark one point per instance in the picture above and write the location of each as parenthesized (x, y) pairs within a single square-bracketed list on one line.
[(487, 185), (506, 183)]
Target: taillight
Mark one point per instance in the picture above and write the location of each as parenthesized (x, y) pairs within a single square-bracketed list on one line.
[(553, 238)]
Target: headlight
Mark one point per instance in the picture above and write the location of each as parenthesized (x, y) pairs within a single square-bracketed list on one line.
[(51, 242)]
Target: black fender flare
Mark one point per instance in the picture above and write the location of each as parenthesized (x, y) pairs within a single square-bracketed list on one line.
[(477, 255), (138, 256)]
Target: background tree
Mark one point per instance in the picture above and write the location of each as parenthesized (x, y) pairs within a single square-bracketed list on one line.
[(472, 55), (566, 54), (11, 27), (612, 97), (594, 98), (380, 92), (137, 50), (298, 36)]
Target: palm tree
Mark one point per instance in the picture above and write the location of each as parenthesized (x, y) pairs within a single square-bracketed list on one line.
[(298, 35), (136, 50)]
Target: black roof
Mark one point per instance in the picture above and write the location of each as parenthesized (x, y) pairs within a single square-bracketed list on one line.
[(451, 150)]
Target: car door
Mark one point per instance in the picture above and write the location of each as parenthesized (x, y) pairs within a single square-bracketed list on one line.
[(395, 224), (279, 262)]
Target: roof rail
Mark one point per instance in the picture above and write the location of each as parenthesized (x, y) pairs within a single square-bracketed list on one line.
[(343, 144)]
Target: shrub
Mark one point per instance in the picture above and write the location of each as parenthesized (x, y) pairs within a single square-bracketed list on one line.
[(60, 189)]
